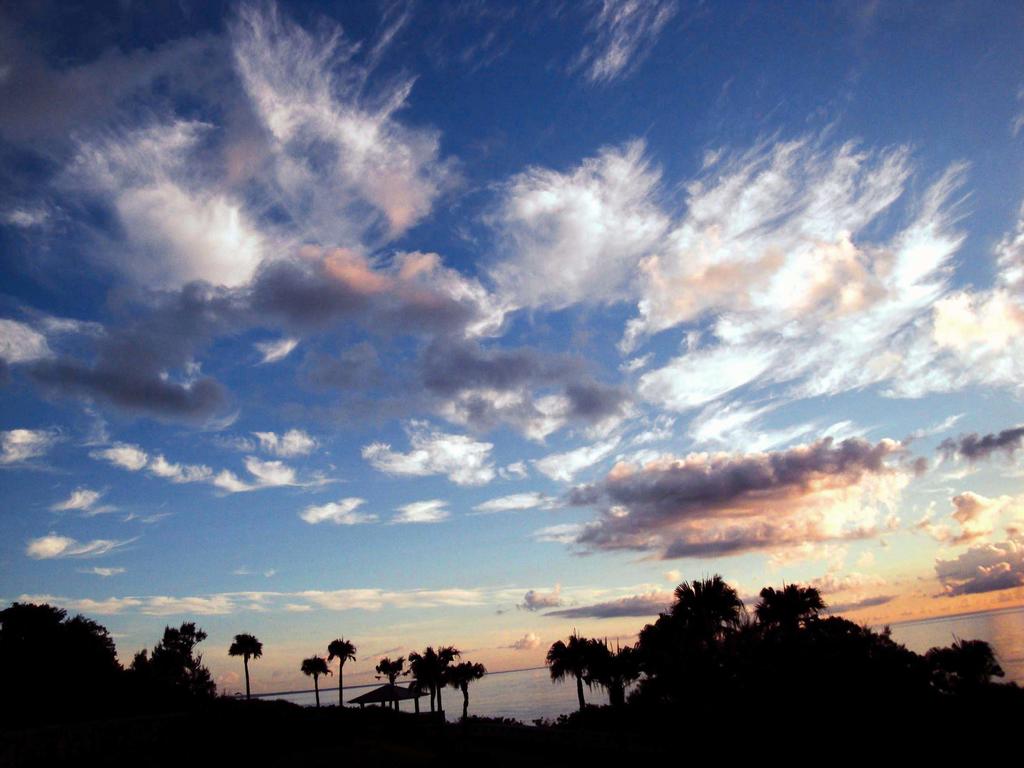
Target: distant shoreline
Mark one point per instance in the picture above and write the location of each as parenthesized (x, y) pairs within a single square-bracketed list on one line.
[(369, 685)]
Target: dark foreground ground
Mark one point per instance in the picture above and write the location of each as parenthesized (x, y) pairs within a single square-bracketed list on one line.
[(257, 733)]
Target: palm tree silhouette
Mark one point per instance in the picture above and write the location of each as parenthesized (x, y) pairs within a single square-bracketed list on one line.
[(342, 650), (430, 670), (460, 676), (790, 607), (423, 667), (391, 669), (570, 659), (613, 670), (707, 608), (248, 647), (446, 655), (315, 666)]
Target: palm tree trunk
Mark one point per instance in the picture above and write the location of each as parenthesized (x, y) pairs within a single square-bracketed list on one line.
[(245, 660), (439, 707), (579, 692), (465, 701), (341, 698), (316, 687), (432, 694)]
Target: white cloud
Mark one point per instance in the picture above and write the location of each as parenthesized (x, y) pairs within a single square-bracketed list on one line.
[(104, 572), (80, 498), (701, 376), (26, 217), (577, 236), (176, 228), (624, 31), (18, 445), (517, 470), (564, 533), (528, 642), (294, 442), (515, 502), (433, 511), (179, 473), (342, 512), (20, 343), (564, 466), (123, 455), (54, 546), (275, 351), (269, 474), (461, 459)]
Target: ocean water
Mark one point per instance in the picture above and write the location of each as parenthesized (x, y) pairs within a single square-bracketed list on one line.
[(1003, 630), (528, 694)]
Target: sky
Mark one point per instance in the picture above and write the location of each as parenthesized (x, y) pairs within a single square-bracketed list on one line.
[(477, 323)]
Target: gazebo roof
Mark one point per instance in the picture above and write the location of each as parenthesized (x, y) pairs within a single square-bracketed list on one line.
[(385, 694)]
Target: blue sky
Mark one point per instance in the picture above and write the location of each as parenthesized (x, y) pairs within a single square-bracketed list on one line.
[(476, 322)]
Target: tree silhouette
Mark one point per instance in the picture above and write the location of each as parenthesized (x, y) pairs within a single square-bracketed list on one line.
[(315, 666), (612, 670), (248, 647), (965, 665), (174, 664), (430, 670), (788, 608), (707, 608), (423, 667), (460, 676), (391, 669), (343, 651), (446, 655), (570, 659), (42, 651)]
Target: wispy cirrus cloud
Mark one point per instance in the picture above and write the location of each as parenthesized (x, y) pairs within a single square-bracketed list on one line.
[(275, 351), (431, 511), (20, 445), (54, 546), (81, 499), (622, 32), (342, 512)]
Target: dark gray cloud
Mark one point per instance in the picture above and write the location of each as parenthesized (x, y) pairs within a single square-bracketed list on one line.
[(867, 602), (975, 447), (635, 605), (450, 366), (721, 504), (197, 401), (984, 568), (50, 97), (464, 370), (303, 297), (353, 368), (158, 334)]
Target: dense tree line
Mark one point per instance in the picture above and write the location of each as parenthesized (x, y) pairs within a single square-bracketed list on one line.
[(59, 668), (707, 651)]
